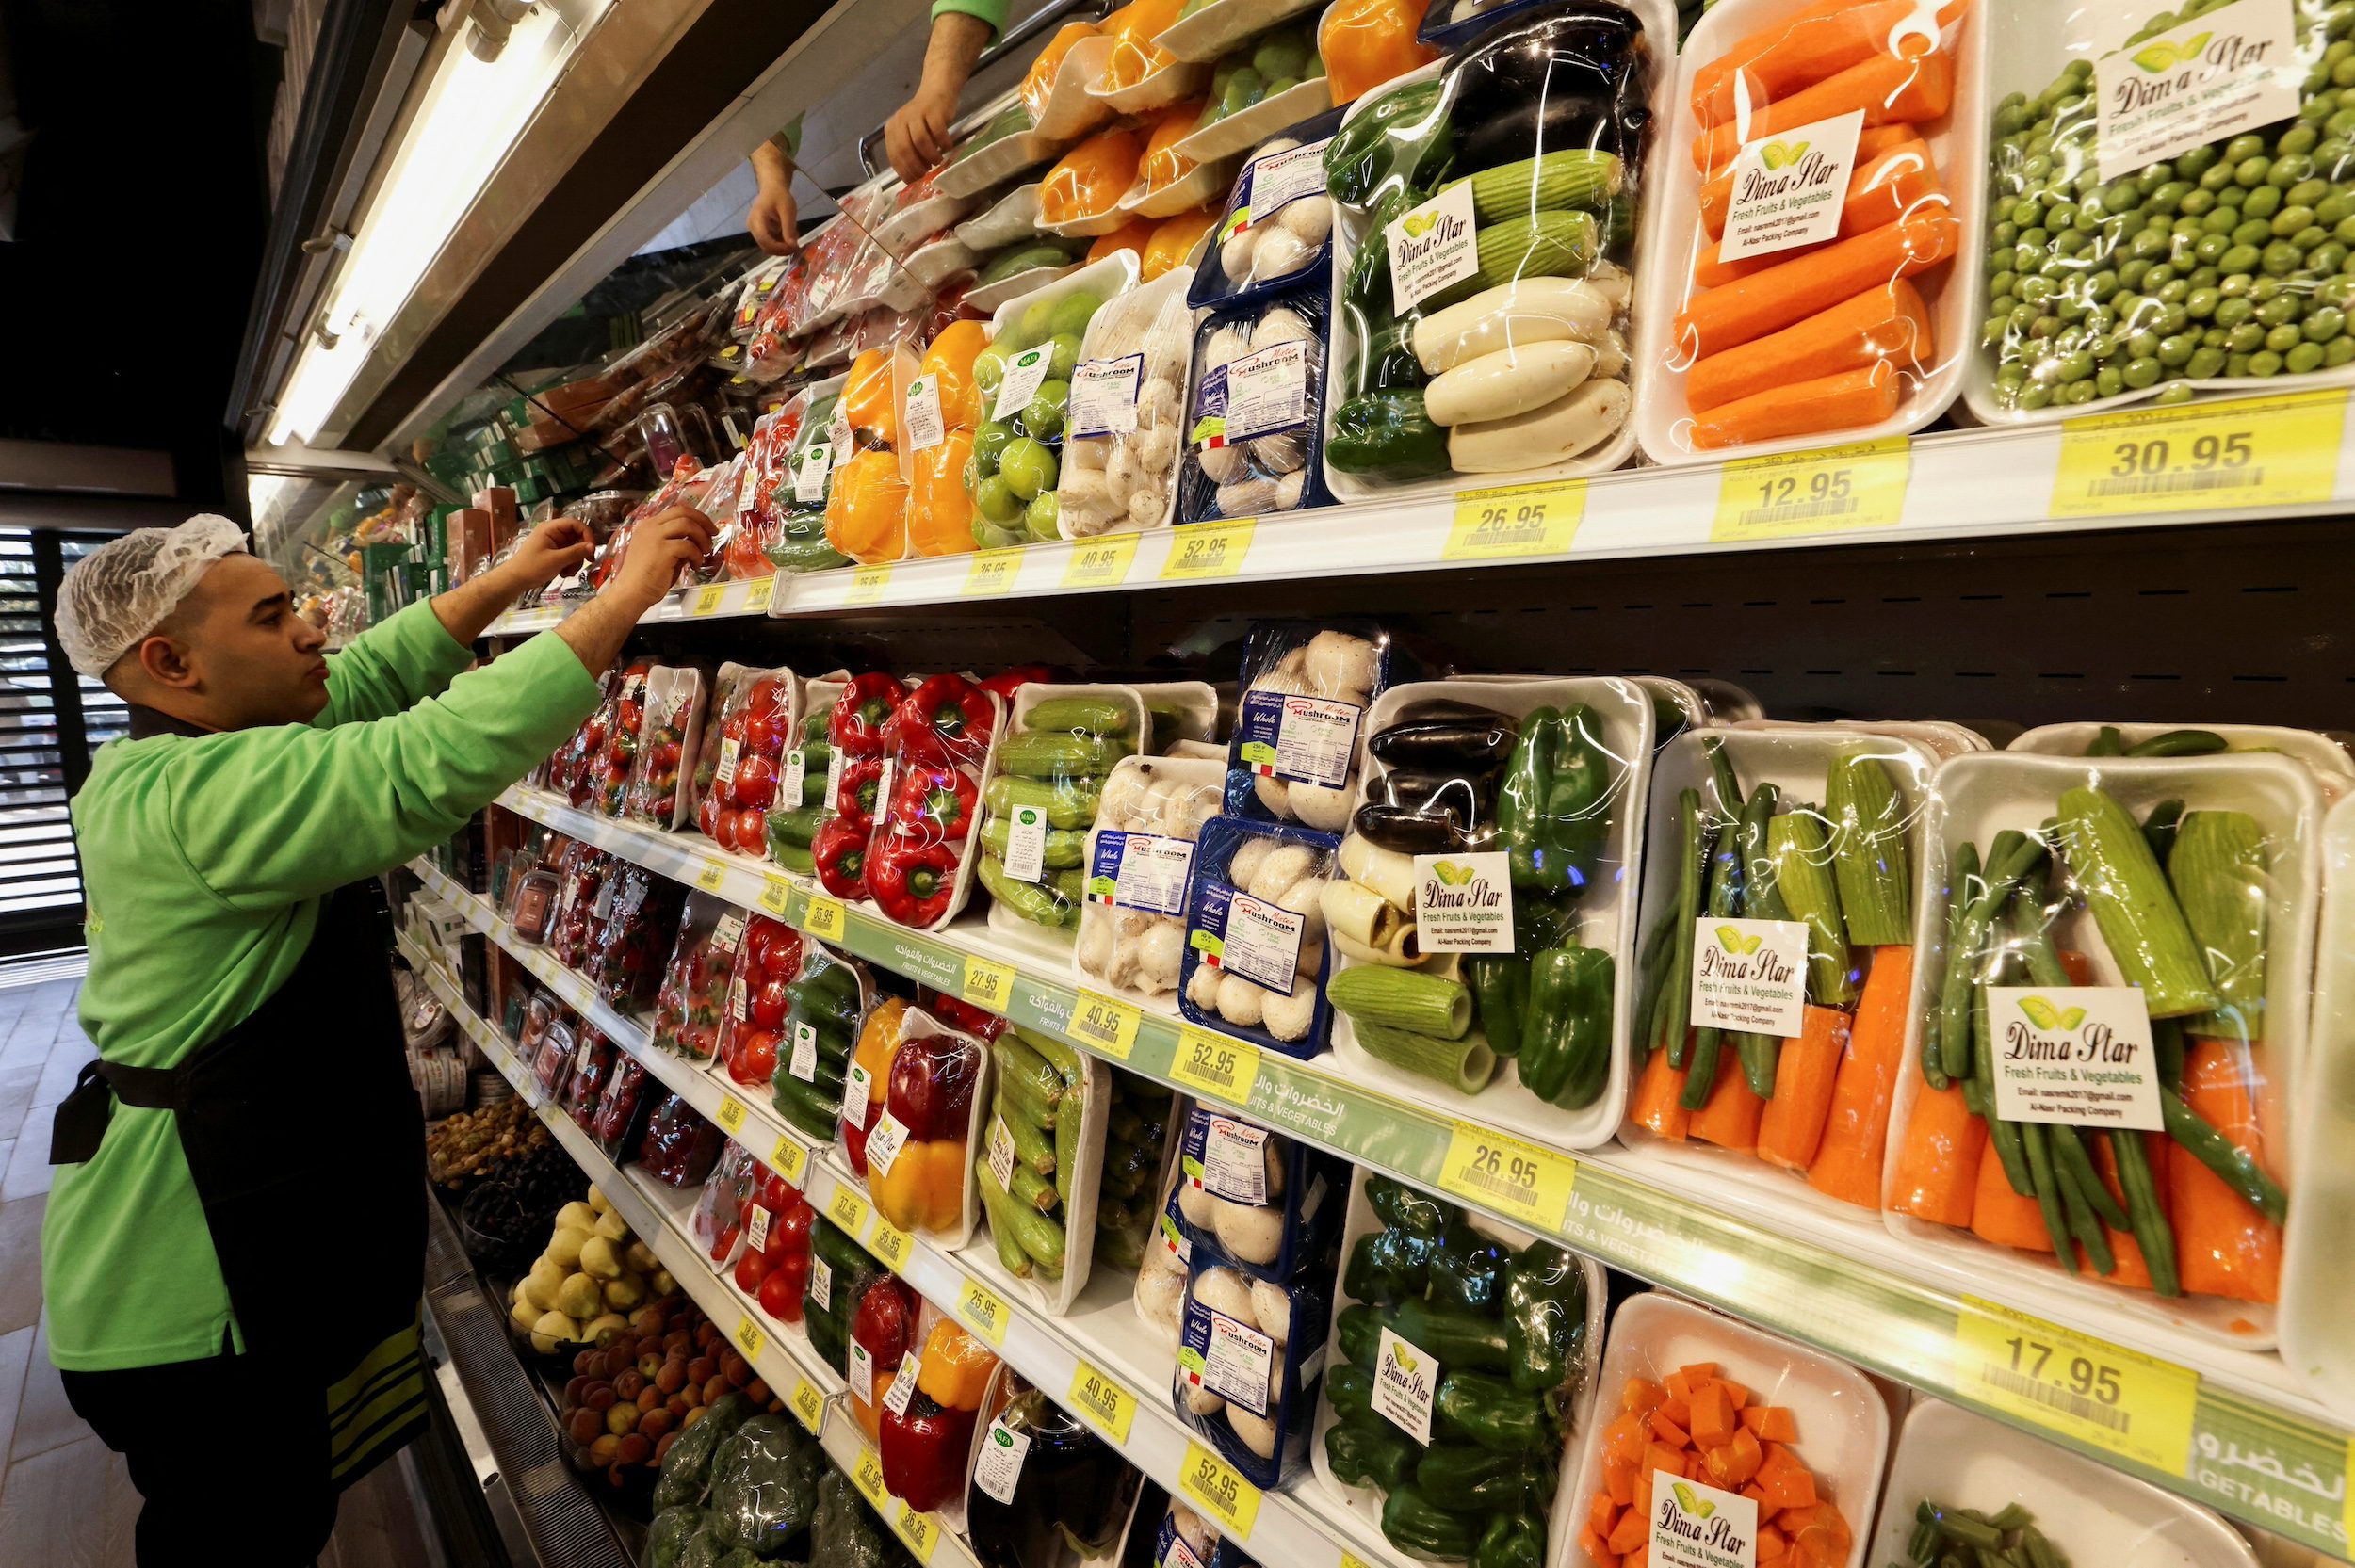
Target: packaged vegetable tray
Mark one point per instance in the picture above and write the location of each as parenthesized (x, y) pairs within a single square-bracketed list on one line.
[(826, 995), (917, 1145), (603, 783), (1505, 179), (1516, 807), (1254, 422), (774, 1266), (1949, 1461), (931, 1418), (693, 1005), (840, 1272), (922, 854), (1025, 382), (1005, 145), (2208, 911), (1139, 74), (1137, 860), (884, 1326), (1041, 799), (581, 877), (821, 445), (1205, 29), (857, 720), (1038, 1162), (1300, 720), (1248, 1362), (1170, 179), (668, 733), (1278, 223), (1254, 964), (630, 935), (1127, 415), (2230, 270), (1808, 1433), (1259, 84), (755, 722), (1817, 824), (2318, 1337), (2325, 756), (1140, 1132), (1254, 1200), (1046, 1491), (1459, 1377), (804, 768)]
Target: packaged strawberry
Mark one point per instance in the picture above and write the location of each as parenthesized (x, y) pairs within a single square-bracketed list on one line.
[(582, 876), (552, 1058), (691, 1008), (753, 1022), (682, 488), (763, 706), (631, 937), (672, 723), (605, 782), (619, 1106), (718, 1223), (919, 859), (680, 1147), (595, 1058), (855, 782)]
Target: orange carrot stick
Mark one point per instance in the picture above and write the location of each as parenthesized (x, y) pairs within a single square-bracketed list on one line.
[(2001, 1216), (1768, 302), (1792, 1126), (1937, 1165), (1707, 79), (1658, 1095), (2223, 1246), (1843, 403), (1847, 1163), (1729, 1118), (1806, 51), (1892, 90), (1887, 323), (1870, 144)]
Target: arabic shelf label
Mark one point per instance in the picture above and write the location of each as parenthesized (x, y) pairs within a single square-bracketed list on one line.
[(1515, 520), (1215, 1064), (2090, 1392), (1100, 1399), (1517, 1179), (1213, 1485), (1860, 485)]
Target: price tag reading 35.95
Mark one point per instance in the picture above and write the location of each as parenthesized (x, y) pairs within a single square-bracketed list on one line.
[(1216, 1065), (2266, 451), (1861, 485), (1208, 549), (823, 919), (2091, 1393), (1212, 1483), (1516, 520), (1106, 1026), (1530, 1184)]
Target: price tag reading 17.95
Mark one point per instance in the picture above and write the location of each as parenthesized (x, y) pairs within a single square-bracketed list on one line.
[(1861, 485), (1212, 1483), (1530, 1184), (1216, 1065), (2091, 1393), (1516, 520), (2265, 451)]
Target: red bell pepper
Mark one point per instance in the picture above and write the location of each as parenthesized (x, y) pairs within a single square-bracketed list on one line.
[(924, 1452), (953, 711), (884, 1325), (1007, 682), (912, 881), (866, 705), (858, 796), (961, 1015), (934, 801), (841, 851), (930, 1091)]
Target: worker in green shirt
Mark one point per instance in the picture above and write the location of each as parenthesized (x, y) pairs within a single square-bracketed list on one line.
[(234, 1248), (917, 135)]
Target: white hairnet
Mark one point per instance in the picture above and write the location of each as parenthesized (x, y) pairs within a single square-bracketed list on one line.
[(121, 591)]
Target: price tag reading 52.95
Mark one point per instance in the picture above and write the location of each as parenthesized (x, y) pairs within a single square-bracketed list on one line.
[(1208, 549), (1532, 1185), (2265, 451), (1216, 1065), (2092, 1393), (1212, 1483)]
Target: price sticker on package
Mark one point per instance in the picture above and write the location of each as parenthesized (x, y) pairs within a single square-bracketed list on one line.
[(1216, 1488), (1100, 1399), (902, 1390), (1861, 485), (1100, 562), (847, 1209), (1200, 550), (993, 572), (790, 1161), (983, 1311), (749, 1338), (775, 892), (707, 599), (2086, 1391), (987, 985), (1530, 1184), (1516, 520), (922, 1531), (1215, 1064), (1105, 1026), (867, 585), (2255, 452), (824, 919), (731, 1114), (810, 1405), (710, 877)]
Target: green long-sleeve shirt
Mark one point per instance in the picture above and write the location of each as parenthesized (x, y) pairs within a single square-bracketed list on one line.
[(204, 861), (991, 11)]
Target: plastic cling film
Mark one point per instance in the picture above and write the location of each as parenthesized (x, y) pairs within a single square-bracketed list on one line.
[(669, 729), (739, 775), (1298, 730), (1082, 193), (688, 1009), (1024, 381), (1255, 958), (1277, 224), (1250, 1355), (1132, 920), (1253, 431), (1043, 795), (1130, 387)]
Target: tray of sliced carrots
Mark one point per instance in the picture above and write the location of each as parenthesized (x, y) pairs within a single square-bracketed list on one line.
[(1854, 337), (1701, 1398)]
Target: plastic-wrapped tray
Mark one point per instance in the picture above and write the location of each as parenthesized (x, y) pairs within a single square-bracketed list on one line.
[(1190, 190), (1078, 1188), (1061, 850), (1976, 797), (1012, 217), (1152, 325), (2318, 751), (1242, 925), (1234, 272), (1071, 111), (1021, 325), (1147, 799), (1674, 238), (969, 173), (2318, 1337), (1171, 84), (1206, 34), (956, 1053), (1259, 455), (920, 839), (1246, 128)]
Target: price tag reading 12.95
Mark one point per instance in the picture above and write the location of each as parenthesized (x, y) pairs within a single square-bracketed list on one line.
[(1530, 1184), (1861, 485), (1212, 1483), (1216, 1065), (1103, 1024), (1208, 549), (2261, 452), (2091, 1393), (1516, 520)]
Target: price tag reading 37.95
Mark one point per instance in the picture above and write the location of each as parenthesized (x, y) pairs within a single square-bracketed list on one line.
[(2263, 452), (2091, 1393)]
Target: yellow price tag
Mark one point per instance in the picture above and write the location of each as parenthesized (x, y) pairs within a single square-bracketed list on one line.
[(993, 572), (1209, 549), (824, 919), (1527, 1183), (1210, 1482), (1516, 520), (749, 1338), (866, 1475), (1350, 1559), (731, 1114), (549, 1114), (889, 1243), (1861, 485), (988, 985), (867, 584), (922, 1531), (1100, 562), (707, 599), (1111, 1408), (808, 1404), (2090, 1392), (1215, 1064), (2252, 452), (757, 596), (983, 1311), (847, 1209), (710, 877), (1106, 1026), (789, 1160), (775, 892)]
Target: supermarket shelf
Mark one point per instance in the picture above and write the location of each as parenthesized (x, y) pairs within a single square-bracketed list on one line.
[(2226, 1427), (716, 601), (1957, 484)]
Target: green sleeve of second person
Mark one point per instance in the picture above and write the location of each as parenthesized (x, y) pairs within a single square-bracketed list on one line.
[(991, 11)]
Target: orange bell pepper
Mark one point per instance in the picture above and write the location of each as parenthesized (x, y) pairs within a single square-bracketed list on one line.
[(949, 362), (1038, 83), (955, 1367), (1090, 179), (940, 511), (1163, 164), (1175, 241), (867, 512), (1133, 29), (1368, 43), (1132, 236), (867, 398)]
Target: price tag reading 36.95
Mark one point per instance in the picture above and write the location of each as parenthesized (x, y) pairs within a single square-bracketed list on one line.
[(2091, 1393), (1216, 1065), (1530, 1184), (2266, 451), (1516, 520), (1861, 485)]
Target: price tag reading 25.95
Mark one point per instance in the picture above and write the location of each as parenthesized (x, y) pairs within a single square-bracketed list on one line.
[(1530, 1184), (1861, 485), (2094, 1394), (2266, 451), (1516, 520)]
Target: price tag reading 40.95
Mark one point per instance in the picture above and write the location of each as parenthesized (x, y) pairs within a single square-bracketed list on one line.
[(1212, 1483), (1100, 562), (1216, 1065), (1516, 520), (1208, 549), (1103, 1024), (2263, 452), (1100, 1399), (1861, 485), (2094, 1394), (1530, 1184)]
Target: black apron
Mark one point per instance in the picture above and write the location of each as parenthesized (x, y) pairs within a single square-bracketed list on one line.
[(302, 1132)]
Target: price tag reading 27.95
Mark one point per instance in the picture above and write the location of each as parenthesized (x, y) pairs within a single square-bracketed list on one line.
[(1861, 485), (2266, 451), (2091, 1393), (1516, 520)]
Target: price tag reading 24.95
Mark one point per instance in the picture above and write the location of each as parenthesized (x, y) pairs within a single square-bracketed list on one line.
[(1861, 485), (1516, 520), (1216, 1065), (2094, 1394), (2263, 452), (1530, 1184)]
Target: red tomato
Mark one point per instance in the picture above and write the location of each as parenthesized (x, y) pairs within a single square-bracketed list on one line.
[(781, 1296), (756, 1057), (789, 1233), (752, 832), (784, 958), (763, 736), (666, 755), (755, 780), (723, 828), (750, 1271), (708, 818), (735, 725), (767, 1006), (761, 938), (724, 1242)]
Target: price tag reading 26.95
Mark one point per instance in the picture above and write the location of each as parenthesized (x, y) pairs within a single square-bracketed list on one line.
[(1516, 520), (2266, 451), (1530, 1184), (1861, 485), (2094, 1394)]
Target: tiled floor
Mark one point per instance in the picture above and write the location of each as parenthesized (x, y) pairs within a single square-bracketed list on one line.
[(66, 1501)]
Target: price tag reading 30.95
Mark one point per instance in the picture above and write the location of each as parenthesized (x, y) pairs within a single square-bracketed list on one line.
[(1530, 1184), (1516, 520), (2091, 1393), (1216, 1066), (1861, 485), (2263, 452)]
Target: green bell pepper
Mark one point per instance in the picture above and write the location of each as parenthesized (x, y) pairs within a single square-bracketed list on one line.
[(1403, 1208), (1387, 435), (1358, 1330), (1511, 1540), (1388, 1266), (1542, 920), (1455, 1336), (1528, 1487), (1351, 1389), (1368, 1451), (1468, 1271), (1405, 134), (1545, 1318), (1419, 1526), (1566, 1052), (1500, 988), (1453, 1469), (1554, 812), (1490, 1410)]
